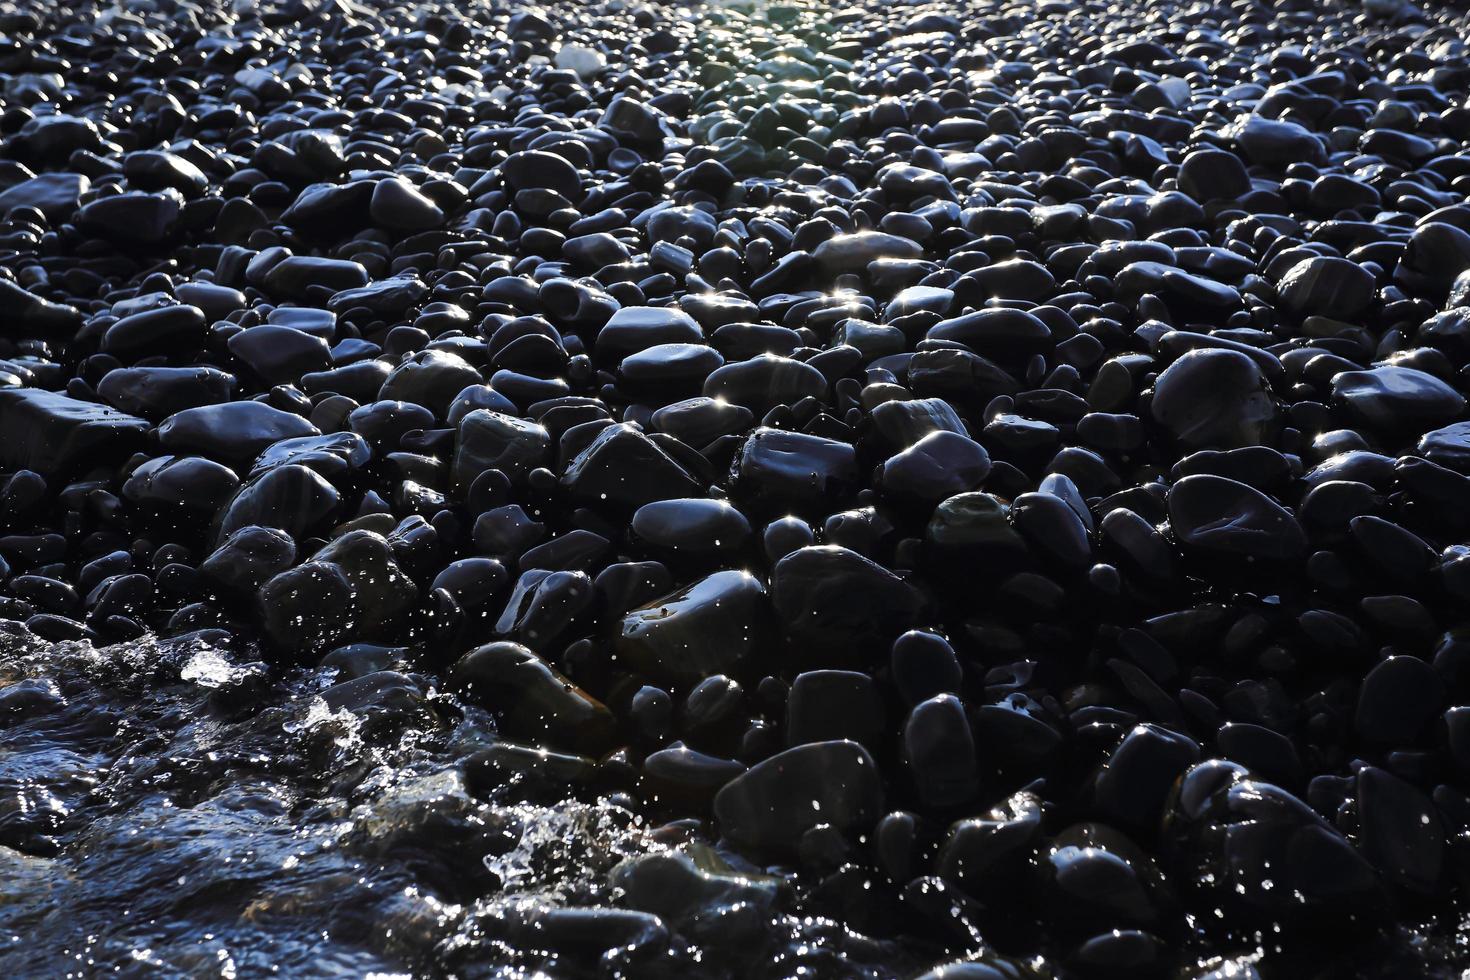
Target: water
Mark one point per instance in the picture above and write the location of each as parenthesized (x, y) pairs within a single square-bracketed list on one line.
[(173, 809)]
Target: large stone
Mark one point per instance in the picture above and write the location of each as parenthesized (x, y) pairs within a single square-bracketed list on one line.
[(829, 597), (489, 440), (714, 626), (56, 435), (624, 468), (351, 589), (773, 803), (233, 433)]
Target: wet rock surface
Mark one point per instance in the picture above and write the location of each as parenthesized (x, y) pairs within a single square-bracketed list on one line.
[(740, 490)]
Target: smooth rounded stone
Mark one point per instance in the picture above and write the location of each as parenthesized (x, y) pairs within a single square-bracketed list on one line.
[(322, 210), (1434, 257), (133, 218), (832, 598), (1400, 831), (785, 535), (1133, 786), (386, 297), (681, 770), (711, 705), (981, 855), (1259, 466), (1097, 878), (1014, 279), (1278, 142), (1184, 293), (1448, 446), (279, 355), (1226, 518), (217, 302), (383, 424), (975, 521), (716, 625), (55, 435), (688, 884), (915, 299), (1213, 175), (997, 333), (1052, 529), (1258, 850), (154, 170), (190, 482), (1213, 398), (576, 550), (398, 204), (938, 466), (924, 665), (1327, 286), (491, 440), (333, 455), (870, 340), (904, 423), (579, 58), (506, 531), (940, 751), (1393, 550), (695, 528), (430, 378), (532, 698), (544, 604), (636, 328), (1396, 400), (683, 366), (1449, 330), (351, 589), (33, 315), (595, 250), (623, 468), (540, 170), (828, 705), (163, 329), (652, 710), (1137, 546), (295, 276), (772, 804), (476, 396), (359, 380), (290, 497), (853, 253), (234, 433), (765, 381), (627, 585), (52, 137), (793, 467), (247, 559), (1397, 700), (699, 421), (55, 195)]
